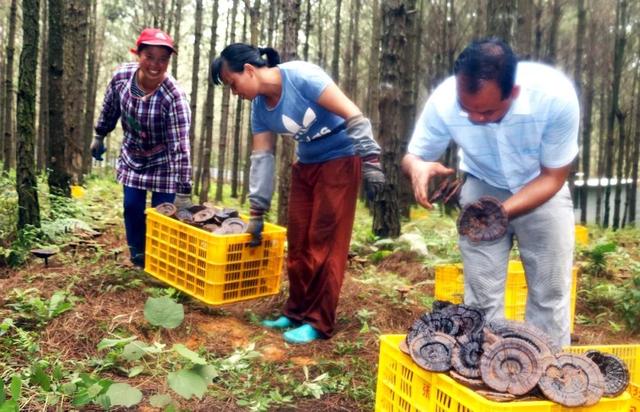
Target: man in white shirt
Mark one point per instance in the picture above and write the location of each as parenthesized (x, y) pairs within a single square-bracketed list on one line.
[(516, 126)]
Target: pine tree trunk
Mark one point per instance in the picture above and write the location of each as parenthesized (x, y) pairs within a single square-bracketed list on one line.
[(618, 59), (552, 42), (373, 89), (500, 18), (539, 30), (93, 71), (347, 57), (619, 167), (587, 127), (176, 38), (307, 30), (9, 94), (601, 149), (195, 68), (237, 129), (524, 22), (224, 119), (290, 25), (254, 12), (335, 62), (26, 183), (635, 155), (43, 95), (386, 210), (577, 79), (320, 24), (75, 42)]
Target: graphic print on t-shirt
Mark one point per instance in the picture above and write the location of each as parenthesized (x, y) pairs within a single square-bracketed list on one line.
[(299, 132)]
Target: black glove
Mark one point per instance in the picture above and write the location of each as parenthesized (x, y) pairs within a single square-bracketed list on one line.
[(373, 177), (97, 147), (182, 201), (484, 219), (255, 227)]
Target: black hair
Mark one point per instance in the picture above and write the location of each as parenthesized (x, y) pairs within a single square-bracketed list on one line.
[(144, 46), (487, 59), (236, 55)]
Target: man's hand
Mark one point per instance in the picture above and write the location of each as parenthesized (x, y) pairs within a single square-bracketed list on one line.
[(255, 227), (420, 173), (373, 177), (97, 147), (484, 219), (183, 201)]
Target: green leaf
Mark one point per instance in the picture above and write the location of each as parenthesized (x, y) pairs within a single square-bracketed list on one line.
[(134, 350), (163, 311), (2, 395), (160, 400), (109, 343), (207, 372), (123, 394), (187, 383), (136, 370), (39, 377), (9, 406), (16, 387), (189, 354)]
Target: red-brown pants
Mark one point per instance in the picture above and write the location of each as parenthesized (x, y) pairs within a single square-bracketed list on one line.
[(322, 205)]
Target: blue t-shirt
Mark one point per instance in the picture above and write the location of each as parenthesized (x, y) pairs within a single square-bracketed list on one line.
[(320, 133), (539, 130)]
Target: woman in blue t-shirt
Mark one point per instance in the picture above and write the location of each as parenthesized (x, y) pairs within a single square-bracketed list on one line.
[(335, 148)]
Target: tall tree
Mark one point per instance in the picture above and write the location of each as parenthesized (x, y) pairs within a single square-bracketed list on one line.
[(290, 26), (587, 125), (43, 116), (635, 155), (373, 91), (500, 18), (320, 41), (552, 41), (237, 129), (75, 43), (26, 183), (176, 37), (205, 163), (618, 60), (93, 71), (8, 152), (307, 30), (195, 68), (538, 29), (386, 210), (335, 62), (524, 22), (224, 115), (58, 177)]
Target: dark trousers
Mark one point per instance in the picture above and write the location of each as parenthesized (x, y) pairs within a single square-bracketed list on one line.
[(135, 201), (322, 205)]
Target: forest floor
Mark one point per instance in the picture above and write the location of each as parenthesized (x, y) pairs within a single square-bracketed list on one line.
[(386, 287)]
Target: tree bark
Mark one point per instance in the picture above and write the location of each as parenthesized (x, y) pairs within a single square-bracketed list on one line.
[(75, 44), (307, 30), (587, 127), (43, 117), (195, 65), (26, 183), (290, 23), (93, 72), (176, 38), (335, 62), (617, 198), (237, 129), (500, 18), (552, 42), (321, 54), (386, 210), (9, 94), (373, 91), (524, 22), (633, 190)]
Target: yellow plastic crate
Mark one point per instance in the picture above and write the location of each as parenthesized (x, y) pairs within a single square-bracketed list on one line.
[(216, 269), (582, 235), (630, 354), (77, 191), (403, 386), (450, 286)]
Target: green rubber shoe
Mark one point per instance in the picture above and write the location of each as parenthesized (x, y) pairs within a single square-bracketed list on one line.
[(282, 322), (304, 334)]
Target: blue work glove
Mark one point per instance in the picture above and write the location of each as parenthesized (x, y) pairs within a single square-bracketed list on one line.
[(255, 227), (182, 201), (97, 147), (373, 177)]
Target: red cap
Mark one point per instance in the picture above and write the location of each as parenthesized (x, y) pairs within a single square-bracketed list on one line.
[(154, 37)]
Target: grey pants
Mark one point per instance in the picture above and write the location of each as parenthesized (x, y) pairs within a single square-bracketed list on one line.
[(545, 239)]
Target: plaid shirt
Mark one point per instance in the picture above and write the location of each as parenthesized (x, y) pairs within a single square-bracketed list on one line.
[(155, 148)]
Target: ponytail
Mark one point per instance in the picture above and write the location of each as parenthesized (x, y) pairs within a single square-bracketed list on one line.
[(236, 55)]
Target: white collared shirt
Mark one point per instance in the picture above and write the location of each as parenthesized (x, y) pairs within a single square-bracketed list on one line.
[(540, 129)]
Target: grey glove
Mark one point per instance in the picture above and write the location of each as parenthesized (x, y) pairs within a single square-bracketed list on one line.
[(373, 177), (182, 201), (359, 129), (255, 227), (97, 147)]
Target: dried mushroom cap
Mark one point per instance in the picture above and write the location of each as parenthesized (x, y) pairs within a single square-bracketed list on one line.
[(507, 328), (167, 209), (184, 216), (469, 320), (496, 396), (203, 215), (432, 352), (511, 365), (483, 220), (438, 305), (574, 381), (210, 227), (473, 383), (418, 328), (466, 355), (614, 371), (232, 226)]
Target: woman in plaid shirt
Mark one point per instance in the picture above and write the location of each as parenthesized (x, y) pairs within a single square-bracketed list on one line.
[(155, 117)]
